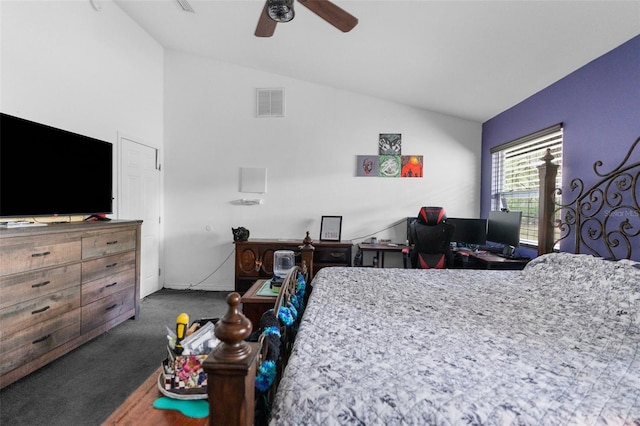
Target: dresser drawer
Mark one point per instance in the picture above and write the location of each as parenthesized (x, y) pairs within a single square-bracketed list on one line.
[(105, 266), (38, 339), (102, 287), (36, 253), (25, 314), (19, 288), (340, 255), (246, 258), (109, 307), (108, 243)]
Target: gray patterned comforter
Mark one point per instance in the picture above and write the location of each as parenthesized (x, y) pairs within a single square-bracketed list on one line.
[(557, 343)]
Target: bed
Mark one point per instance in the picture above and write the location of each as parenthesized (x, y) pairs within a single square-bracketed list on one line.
[(555, 343)]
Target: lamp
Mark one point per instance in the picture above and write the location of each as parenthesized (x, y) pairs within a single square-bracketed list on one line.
[(280, 10)]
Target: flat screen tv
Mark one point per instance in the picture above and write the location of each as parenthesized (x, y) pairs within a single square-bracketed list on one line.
[(45, 171), (469, 231), (504, 227)]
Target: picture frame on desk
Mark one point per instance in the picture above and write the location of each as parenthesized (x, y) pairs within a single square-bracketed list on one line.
[(330, 228)]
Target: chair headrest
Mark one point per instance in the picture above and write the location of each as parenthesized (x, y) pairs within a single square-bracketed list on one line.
[(431, 215)]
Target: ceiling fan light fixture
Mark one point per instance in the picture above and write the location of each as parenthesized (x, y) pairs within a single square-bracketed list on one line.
[(280, 10)]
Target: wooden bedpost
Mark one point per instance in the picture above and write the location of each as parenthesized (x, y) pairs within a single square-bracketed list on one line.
[(547, 173), (231, 370), (307, 255)]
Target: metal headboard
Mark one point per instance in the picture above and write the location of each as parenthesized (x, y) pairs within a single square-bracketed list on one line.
[(605, 218)]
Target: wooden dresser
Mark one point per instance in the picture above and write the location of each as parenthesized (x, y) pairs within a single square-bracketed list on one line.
[(62, 285), (326, 253)]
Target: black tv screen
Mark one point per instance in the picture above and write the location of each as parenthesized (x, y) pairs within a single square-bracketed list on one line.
[(504, 227), (469, 231), (45, 171)]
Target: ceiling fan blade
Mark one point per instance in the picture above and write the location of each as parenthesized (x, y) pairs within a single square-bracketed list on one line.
[(266, 26), (331, 13)]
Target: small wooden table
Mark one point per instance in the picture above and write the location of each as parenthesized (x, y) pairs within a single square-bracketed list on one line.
[(381, 249), (138, 409), (253, 306)]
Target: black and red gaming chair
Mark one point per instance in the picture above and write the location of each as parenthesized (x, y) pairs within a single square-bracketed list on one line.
[(431, 236)]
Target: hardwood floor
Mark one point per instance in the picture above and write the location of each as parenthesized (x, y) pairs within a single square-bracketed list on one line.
[(138, 409)]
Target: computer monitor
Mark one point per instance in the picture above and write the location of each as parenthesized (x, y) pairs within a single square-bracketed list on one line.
[(504, 227), (469, 231)]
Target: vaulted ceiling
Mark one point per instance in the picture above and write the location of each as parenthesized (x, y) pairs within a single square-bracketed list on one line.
[(470, 59)]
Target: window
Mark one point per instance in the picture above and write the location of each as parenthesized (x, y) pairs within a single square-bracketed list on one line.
[(514, 177)]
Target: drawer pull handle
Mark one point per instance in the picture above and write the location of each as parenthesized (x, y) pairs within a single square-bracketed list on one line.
[(44, 253), (111, 307), (42, 339), (112, 242), (111, 285), (39, 311), (111, 265), (334, 254), (41, 284)]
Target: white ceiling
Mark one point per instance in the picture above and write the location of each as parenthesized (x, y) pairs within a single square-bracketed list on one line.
[(470, 59)]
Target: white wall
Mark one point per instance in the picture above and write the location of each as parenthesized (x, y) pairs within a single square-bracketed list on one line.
[(211, 131), (99, 74), (94, 73)]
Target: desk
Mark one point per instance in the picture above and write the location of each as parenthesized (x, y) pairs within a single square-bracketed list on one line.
[(253, 306), (138, 409), (487, 260), (381, 249)]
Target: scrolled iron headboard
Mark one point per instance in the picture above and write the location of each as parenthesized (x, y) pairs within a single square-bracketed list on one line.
[(605, 218)]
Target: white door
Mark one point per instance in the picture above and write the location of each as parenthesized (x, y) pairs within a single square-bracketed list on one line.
[(139, 179)]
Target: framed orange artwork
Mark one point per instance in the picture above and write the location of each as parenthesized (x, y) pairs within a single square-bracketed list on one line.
[(411, 166)]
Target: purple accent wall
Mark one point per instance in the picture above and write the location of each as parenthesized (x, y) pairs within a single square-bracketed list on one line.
[(599, 105)]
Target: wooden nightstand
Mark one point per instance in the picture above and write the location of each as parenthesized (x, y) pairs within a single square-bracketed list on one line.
[(253, 305)]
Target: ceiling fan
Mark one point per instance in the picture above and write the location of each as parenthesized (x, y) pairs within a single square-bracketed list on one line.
[(282, 11)]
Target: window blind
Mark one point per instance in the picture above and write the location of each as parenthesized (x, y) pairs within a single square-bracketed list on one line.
[(514, 177)]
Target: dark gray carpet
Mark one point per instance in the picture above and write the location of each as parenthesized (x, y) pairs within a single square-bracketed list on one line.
[(86, 385)]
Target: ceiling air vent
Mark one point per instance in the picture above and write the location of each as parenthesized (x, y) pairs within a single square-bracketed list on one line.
[(270, 102)]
